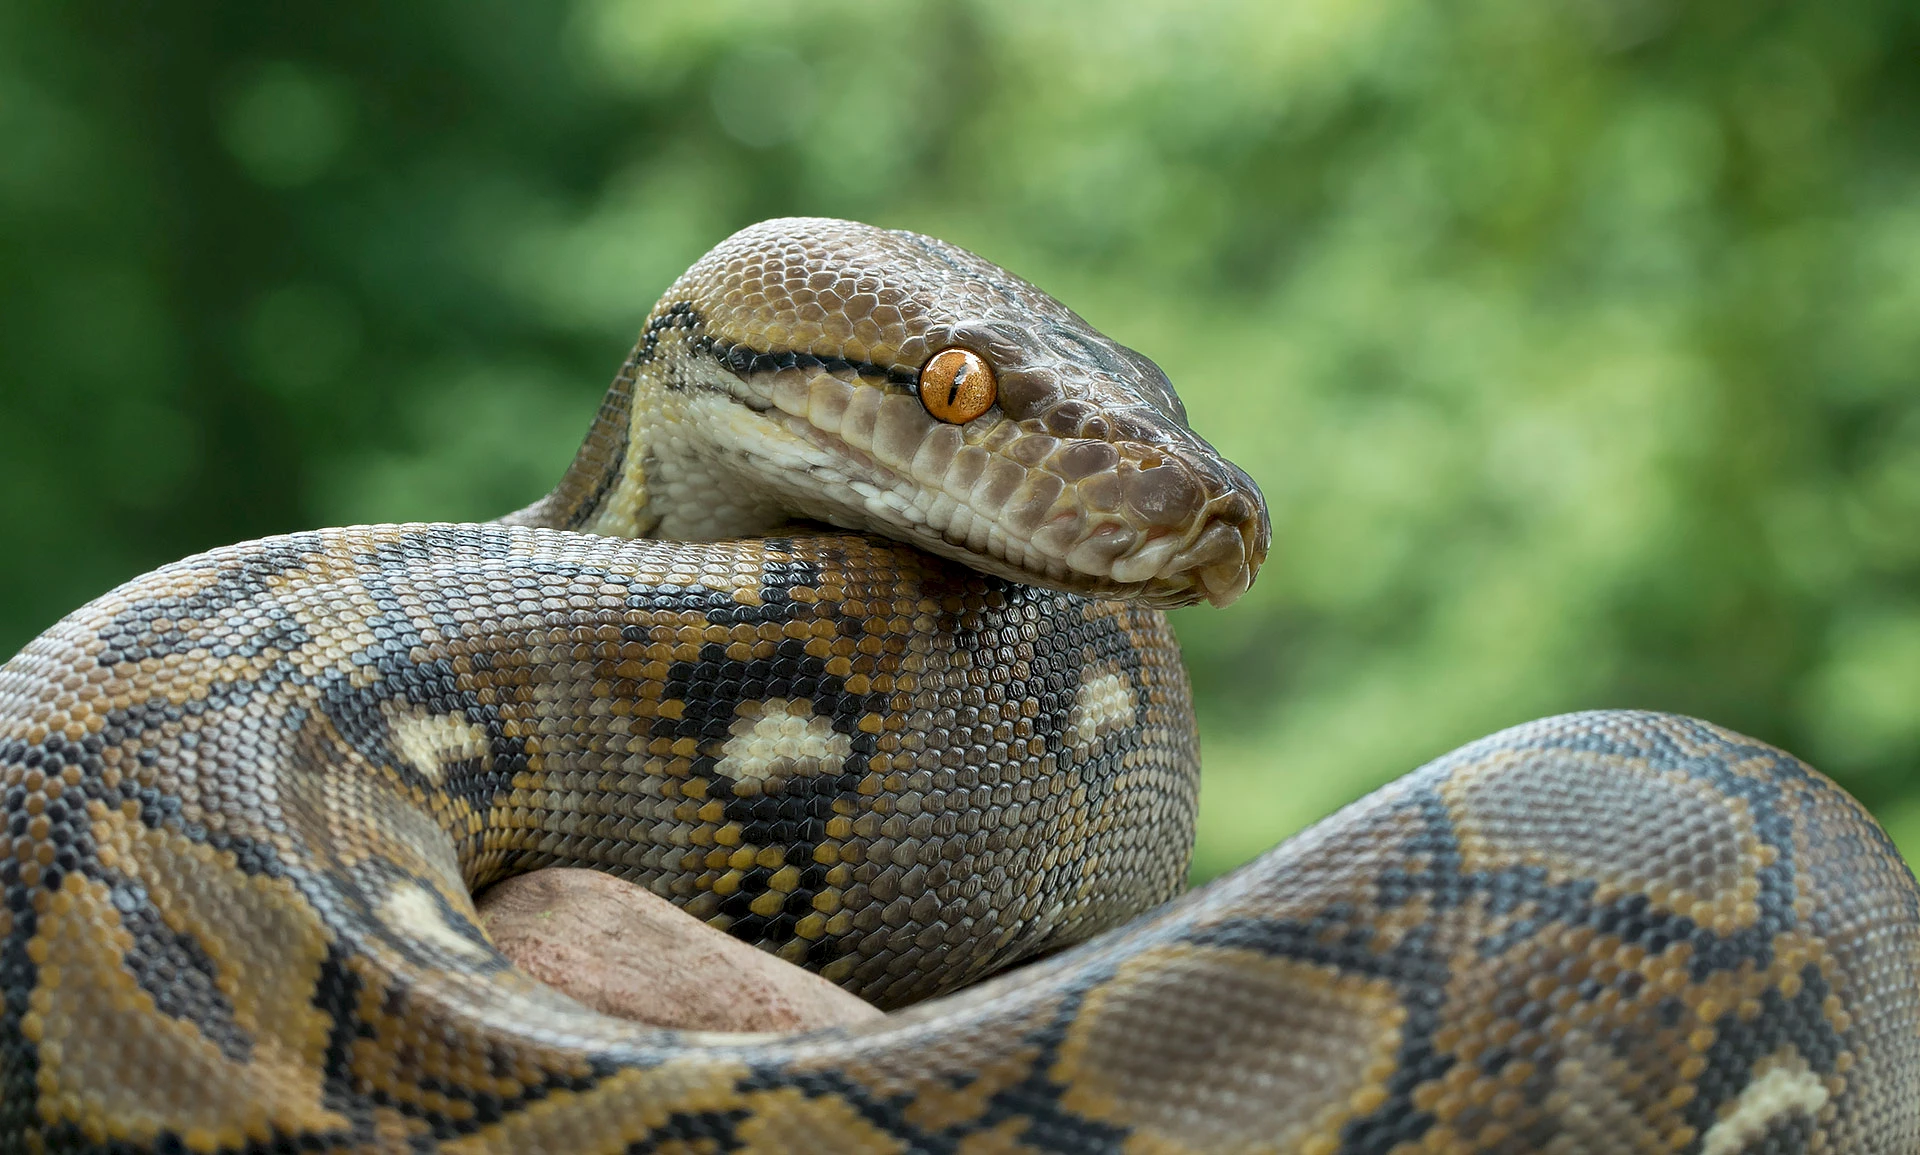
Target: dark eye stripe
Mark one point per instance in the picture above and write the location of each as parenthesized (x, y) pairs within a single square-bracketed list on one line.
[(745, 361)]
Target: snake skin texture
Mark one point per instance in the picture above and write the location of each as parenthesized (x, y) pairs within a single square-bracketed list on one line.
[(248, 798)]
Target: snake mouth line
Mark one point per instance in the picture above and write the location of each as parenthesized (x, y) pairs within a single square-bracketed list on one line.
[(1088, 516)]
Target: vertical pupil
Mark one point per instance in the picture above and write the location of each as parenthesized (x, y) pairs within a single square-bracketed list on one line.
[(953, 390)]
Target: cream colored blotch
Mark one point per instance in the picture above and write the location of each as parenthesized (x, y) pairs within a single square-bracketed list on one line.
[(411, 912), (430, 742), (779, 738), (1775, 1095), (1103, 705)]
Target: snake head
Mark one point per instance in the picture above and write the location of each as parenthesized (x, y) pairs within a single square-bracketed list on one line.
[(796, 356)]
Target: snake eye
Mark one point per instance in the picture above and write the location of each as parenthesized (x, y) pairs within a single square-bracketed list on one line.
[(957, 386)]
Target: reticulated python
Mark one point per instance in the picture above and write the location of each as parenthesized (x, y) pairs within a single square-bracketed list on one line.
[(248, 796)]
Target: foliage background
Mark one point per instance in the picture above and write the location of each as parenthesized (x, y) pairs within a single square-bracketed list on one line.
[(1574, 342)]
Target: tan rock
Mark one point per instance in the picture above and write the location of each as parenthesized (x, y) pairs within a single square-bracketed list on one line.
[(623, 950)]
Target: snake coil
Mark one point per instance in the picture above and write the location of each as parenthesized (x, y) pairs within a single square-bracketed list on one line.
[(842, 631)]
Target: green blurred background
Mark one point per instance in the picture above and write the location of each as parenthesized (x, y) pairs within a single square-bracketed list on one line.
[(1575, 343)]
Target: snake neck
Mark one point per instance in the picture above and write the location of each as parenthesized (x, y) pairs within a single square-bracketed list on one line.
[(652, 466)]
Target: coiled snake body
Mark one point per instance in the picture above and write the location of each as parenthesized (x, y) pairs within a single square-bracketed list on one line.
[(249, 795)]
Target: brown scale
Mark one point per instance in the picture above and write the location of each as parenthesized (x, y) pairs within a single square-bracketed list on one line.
[(248, 797)]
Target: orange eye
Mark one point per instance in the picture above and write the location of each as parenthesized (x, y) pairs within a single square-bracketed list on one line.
[(956, 386)]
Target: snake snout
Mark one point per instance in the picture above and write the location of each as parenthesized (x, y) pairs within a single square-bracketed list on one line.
[(1100, 501), (1214, 532)]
